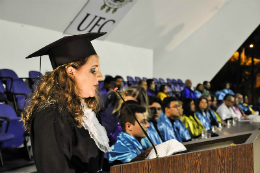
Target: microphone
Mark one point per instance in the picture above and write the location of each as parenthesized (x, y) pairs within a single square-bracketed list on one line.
[(117, 91)]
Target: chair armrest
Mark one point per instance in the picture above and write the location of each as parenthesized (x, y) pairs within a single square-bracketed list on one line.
[(12, 80), (21, 94), (8, 122)]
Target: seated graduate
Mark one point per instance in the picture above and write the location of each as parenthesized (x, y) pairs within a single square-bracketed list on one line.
[(143, 83), (221, 94), (187, 92), (199, 90), (246, 104), (212, 116), (190, 120), (150, 87), (257, 105), (244, 107), (238, 111), (107, 87), (163, 92), (206, 85), (109, 117), (225, 110), (128, 146), (214, 109), (201, 112), (166, 125), (181, 127), (155, 113)]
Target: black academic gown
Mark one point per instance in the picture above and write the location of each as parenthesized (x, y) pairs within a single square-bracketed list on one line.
[(59, 146)]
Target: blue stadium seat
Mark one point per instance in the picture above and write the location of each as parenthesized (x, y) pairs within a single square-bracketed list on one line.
[(174, 81), (9, 77), (34, 77), (2, 93), (180, 81), (20, 93), (169, 81), (162, 81), (144, 78), (137, 79), (130, 81)]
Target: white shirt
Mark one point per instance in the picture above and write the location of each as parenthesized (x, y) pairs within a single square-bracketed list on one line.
[(224, 112)]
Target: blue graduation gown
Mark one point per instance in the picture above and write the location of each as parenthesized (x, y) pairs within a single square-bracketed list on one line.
[(184, 133), (220, 95), (125, 149), (187, 93), (228, 91), (154, 136), (244, 107), (166, 129), (204, 119), (197, 94), (213, 114)]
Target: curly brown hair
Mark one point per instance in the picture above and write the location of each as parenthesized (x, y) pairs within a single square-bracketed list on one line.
[(58, 88)]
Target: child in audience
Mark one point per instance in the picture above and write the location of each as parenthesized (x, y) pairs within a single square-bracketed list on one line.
[(190, 120), (128, 146)]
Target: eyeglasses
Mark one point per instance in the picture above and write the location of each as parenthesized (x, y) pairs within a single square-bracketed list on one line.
[(176, 106), (153, 109)]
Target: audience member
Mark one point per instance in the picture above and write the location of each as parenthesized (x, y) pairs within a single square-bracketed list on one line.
[(143, 83), (206, 85), (119, 82), (246, 109), (187, 92), (257, 105), (155, 113), (201, 106), (107, 87), (237, 110), (214, 108), (190, 120), (171, 110), (221, 94), (183, 131), (128, 146), (163, 92), (225, 110), (212, 116), (199, 90), (246, 102), (150, 87)]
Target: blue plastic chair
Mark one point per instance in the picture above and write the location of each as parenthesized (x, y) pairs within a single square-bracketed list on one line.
[(20, 93), (169, 81), (34, 77), (180, 81), (9, 77), (3, 97), (144, 78), (162, 81), (137, 79), (169, 90), (174, 81), (130, 81)]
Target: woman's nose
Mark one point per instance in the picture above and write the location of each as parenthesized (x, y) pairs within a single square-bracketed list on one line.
[(99, 76)]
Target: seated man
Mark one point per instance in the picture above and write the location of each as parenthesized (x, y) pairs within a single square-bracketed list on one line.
[(206, 85), (225, 110), (128, 145), (212, 116), (107, 87), (168, 124), (119, 82), (187, 92), (150, 87), (143, 83), (153, 131), (246, 109)]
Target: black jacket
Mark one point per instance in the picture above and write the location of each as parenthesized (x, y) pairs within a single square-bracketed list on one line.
[(59, 146)]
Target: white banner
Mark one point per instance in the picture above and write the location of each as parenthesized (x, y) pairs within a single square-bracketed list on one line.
[(99, 16)]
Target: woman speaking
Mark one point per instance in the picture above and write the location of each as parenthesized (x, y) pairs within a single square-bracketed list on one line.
[(62, 116)]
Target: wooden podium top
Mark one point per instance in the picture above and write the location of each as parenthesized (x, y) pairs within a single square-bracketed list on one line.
[(238, 152)]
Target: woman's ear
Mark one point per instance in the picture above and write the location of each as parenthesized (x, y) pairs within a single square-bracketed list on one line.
[(70, 71)]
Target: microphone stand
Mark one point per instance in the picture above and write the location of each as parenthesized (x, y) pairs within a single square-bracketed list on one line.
[(157, 155)]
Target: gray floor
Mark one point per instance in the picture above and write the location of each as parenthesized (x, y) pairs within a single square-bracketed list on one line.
[(28, 169)]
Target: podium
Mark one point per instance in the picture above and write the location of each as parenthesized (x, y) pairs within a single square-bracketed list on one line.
[(239, 152)]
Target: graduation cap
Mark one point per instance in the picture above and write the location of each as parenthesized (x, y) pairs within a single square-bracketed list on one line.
[(69, 49)]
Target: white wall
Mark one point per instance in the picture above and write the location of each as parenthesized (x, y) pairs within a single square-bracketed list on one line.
[(204, 53), (18, 41)]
